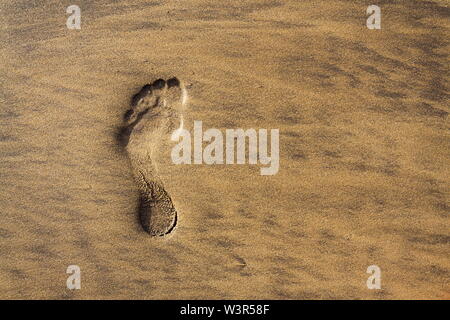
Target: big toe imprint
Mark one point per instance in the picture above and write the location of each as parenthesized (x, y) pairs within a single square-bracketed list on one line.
[(155, 112)]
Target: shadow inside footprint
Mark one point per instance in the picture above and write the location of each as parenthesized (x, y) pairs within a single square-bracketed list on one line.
[(123, 136)]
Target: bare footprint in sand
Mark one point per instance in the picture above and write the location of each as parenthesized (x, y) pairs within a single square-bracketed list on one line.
[(156, 111)]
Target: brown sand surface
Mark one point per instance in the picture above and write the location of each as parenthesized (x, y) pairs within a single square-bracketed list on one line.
[(364, 150)]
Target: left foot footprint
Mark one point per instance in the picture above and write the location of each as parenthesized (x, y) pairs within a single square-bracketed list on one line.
[(155, 113)]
